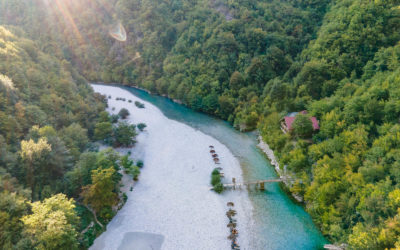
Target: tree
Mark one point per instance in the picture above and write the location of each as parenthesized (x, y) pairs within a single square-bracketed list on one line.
[(103, 131), (260, 71), (34, 116), (80, 175), (302, 126), (313, 75), (226, 106), (14, 203), (52, 224), (100, 194), (363, 238), (30, 152), (236, 81), (124, 134), (75, 138), (278, 90), (104, 117), (123, 113)]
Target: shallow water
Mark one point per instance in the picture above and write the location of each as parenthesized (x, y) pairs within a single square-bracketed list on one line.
[(280, 223)]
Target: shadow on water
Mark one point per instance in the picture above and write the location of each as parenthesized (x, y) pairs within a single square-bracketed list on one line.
[(281, 224)]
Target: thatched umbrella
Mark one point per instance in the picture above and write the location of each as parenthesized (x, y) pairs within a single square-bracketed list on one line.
[(230, 204), (216, 159), (212, 151), (234, 231), (231, 225), (231, 213), (211, 146), (232, 237), (214, 155)]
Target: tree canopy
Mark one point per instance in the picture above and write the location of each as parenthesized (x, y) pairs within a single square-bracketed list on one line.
[(249, 62)]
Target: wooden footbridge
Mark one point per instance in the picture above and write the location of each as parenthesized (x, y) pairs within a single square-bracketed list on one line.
[(260, 184)]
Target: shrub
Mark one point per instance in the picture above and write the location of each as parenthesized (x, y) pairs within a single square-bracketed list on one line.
[(123, 113), (216, 181), (141, 126), (302, 126), (139, 104), (215, 172), (125, 197), (106, 213), (124, 134), (114, 118), (126, 162), (134, 171), (219, 188), (139, 163)]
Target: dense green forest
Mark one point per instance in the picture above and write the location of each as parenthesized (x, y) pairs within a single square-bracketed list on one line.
[(53, 182), (249, 62)]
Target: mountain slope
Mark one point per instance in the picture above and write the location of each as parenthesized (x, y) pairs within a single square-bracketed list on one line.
[(252, 62)]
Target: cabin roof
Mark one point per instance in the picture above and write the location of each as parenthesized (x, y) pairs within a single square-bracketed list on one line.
[(290, 119)]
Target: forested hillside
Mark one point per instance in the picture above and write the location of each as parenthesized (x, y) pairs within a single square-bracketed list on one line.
[(50, 172), (215, 56), (249, 62), (350, 80)]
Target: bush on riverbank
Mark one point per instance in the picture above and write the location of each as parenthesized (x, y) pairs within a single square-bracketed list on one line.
[(87, 223), (114, 118), (124, 134), (139, 105), (139, 163), (130, 168), (120, 134), (123, 113), (134, 171), (141, 126), (216, 181)]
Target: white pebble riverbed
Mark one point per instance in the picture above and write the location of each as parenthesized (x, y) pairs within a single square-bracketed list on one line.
[(172, 199)]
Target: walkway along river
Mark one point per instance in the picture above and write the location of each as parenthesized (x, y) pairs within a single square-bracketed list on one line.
[(275, 221)]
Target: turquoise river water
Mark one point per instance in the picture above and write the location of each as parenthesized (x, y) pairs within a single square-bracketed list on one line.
[(281, 224)]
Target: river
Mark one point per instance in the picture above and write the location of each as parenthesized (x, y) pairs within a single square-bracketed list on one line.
[(276, 221)]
